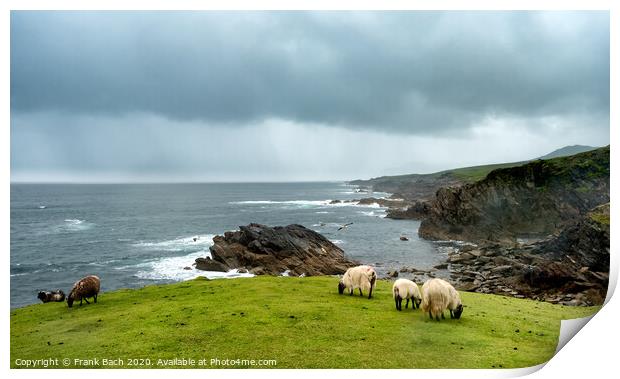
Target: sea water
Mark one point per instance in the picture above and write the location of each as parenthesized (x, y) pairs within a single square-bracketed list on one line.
[(131, 235)]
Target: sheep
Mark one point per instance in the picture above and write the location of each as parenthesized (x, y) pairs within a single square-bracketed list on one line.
[(360, 277), (406, 289), (53, 296), (438, 295), (83, 289)]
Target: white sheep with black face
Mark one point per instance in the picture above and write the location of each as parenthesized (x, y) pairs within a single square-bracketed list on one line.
[(439, 295), (363, 278), (405, 289)]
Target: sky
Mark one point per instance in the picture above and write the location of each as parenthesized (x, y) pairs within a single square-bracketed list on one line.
[(299, 96)]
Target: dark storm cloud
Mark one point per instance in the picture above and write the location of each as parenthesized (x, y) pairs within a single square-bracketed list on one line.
[(403, 72)]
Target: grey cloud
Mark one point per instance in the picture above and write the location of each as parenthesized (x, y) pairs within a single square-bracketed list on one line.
[(403, 72)]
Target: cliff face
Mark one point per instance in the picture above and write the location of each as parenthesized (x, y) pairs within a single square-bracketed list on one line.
[(272, 250), (532, 200)]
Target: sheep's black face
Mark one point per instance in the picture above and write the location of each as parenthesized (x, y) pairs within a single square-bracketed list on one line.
[(341, 288), (417, 302), (70, 301), (458, 311)]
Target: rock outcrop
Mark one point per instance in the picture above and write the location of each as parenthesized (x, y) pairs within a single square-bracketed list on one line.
[(413, 211), (536, 199), (208, 264), (273, 250)]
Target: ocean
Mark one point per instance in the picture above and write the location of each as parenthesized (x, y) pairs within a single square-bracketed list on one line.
[(132, 235)]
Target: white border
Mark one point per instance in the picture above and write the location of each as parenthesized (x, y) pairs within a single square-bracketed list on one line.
[(591, 352)]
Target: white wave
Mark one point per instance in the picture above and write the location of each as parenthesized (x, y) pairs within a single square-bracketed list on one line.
[(373, 213), (292, 202), (42, 207), (74, 225), (285, 273), (323, 212), (307, 203), (174, 268), (456, 242), (338, 242), (179, 244)]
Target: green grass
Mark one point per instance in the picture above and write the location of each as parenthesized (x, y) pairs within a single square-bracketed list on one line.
[(300, 322), (476, 173)]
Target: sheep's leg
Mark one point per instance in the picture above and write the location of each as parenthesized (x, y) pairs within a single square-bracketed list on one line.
[(451, 314), (442, 316), (351, 292), (370, 293), (361, 294), (430, 315), (86, 300), (80, 301), (407, 304), (396, 301), (95, 298)]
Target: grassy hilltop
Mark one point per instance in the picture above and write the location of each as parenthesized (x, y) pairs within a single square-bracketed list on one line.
[(300, 322)]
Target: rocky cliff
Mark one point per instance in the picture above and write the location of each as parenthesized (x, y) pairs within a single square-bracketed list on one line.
[(571, 268), (273, 250), (533, 200)]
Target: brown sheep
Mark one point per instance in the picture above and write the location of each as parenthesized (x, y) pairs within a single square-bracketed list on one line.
[(83, 289)]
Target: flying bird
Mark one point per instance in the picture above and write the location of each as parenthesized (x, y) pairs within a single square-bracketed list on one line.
[(345, 225)]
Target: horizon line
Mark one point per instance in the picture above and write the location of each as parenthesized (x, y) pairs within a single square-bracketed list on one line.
[(182, 182)]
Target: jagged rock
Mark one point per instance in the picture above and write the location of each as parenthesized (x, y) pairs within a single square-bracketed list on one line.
[(505, 269), (441, 266), (393, 274), (208, 264), (273, 250), (459, 258), (258, 271), (403, 238), (416, 211), (571, 268)]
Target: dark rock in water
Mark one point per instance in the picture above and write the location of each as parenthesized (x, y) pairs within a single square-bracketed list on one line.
[(208, 264), (335, 202), (441, 266), (274, 250), (258, 271), (187, 268), (242, 271), (403, 238), (393, 274), (415, 211)]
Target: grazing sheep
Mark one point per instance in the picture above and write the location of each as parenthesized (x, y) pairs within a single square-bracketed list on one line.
[(360, 277), (438, 295), (406, 289), (51, 296), (83, 289)]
